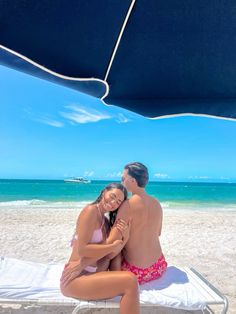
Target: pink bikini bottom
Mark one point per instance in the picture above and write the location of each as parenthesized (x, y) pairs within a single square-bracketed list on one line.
[(147, 274)]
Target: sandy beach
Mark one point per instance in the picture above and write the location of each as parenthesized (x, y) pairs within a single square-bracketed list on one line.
[(203, 240)]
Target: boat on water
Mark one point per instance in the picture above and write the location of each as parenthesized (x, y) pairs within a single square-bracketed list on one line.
[(78, 180)]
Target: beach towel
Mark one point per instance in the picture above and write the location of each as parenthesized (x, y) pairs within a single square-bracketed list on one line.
[(36, 281)]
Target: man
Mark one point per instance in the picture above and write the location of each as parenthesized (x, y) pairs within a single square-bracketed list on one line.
[(142, 253)]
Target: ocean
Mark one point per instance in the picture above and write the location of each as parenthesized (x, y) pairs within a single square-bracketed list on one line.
[(59, 194)]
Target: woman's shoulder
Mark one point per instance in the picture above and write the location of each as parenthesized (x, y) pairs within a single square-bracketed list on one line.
[(89, 210)]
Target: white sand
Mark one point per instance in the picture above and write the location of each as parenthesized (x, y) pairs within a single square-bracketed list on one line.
[(203, 240)]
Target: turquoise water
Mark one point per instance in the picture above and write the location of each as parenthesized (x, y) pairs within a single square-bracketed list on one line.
[(171, 194)]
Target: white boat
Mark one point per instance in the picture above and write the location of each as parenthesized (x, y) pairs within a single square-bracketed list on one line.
[(78, 180)]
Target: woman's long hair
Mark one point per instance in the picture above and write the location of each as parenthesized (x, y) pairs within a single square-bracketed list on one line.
[(112, 214)]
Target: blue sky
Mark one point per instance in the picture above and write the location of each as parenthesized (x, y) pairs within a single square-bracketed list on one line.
[(50, 132)]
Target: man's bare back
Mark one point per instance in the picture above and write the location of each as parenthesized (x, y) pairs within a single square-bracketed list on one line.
[(143, 246), (141, 219)]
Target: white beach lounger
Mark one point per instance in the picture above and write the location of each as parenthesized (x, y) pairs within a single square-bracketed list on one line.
[(30, 283)]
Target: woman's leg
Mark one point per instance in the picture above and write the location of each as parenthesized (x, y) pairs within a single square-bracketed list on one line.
[(106, 285)]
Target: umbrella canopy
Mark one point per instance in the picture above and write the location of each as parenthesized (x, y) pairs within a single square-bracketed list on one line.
[(155, 57)]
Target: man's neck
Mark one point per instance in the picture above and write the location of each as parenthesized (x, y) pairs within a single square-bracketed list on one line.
[(139, 191)]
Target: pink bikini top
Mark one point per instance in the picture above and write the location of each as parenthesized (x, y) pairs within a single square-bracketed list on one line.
[(97, 235)]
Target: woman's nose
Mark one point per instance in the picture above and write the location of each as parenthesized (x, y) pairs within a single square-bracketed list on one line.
[(113, 202)]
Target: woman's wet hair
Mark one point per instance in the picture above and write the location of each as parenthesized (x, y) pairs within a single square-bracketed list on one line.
[(139, 172), (109, 187)]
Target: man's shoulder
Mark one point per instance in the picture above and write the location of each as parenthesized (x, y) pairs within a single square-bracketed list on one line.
[(123, 210), (156, 204), (124, 206), (135, 200), (155, 201)]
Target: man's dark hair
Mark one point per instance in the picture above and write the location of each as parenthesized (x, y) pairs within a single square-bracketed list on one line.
[(139, 172)]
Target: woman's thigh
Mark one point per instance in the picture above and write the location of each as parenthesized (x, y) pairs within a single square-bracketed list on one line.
[(103, 285)]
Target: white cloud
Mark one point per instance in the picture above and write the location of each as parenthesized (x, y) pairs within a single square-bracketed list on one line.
[(88, 173), (114, 175), (50, 122), (161, 175), (199, 177), (224, 178), (43, 118), (79, 114), (122, 118)]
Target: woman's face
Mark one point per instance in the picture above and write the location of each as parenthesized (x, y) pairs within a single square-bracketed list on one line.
[(112, 199)]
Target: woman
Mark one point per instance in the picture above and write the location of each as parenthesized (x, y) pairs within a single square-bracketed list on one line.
[(85, 276)]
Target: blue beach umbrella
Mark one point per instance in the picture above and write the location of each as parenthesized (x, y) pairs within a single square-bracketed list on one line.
[(155, 57)]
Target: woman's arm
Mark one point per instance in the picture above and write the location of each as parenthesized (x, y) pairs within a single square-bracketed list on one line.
[(86, 224), (97, 251)]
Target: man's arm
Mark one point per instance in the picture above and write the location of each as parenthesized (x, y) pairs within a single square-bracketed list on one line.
[(115, 233), (123, 213)]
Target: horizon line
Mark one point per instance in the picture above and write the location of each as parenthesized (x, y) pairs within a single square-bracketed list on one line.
[(232, 181)]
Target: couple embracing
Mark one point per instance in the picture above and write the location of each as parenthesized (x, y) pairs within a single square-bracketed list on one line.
[(111, 256)]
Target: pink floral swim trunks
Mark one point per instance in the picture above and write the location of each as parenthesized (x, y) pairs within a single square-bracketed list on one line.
[(147, 274)]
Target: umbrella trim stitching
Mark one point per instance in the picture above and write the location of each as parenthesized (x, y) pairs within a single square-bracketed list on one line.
[(69, 78), (118, 41)]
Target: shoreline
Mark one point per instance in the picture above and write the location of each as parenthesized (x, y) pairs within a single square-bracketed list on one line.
[(170, 206), (204, 240)]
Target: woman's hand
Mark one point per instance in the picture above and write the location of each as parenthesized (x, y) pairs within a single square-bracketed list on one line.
[(71, 271), (117, 246)]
